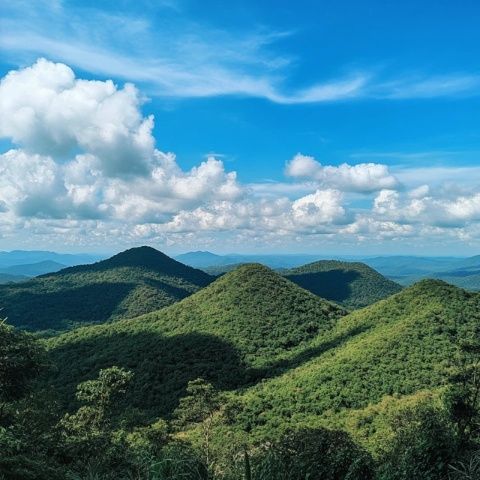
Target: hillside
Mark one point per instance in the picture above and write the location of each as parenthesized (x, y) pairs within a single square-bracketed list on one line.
[(33, 269), (134, 282), (8, 278), (400, 346), (232, 332), (25, 257), (221, 269), (351, 284)]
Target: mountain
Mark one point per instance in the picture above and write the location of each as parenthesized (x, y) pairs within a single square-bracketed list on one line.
[(221, 269), (462, 272), (33, 269), (401, 346), (200, 259), (208, 259), (134, 282), (410, 265), (8, 278), (247, 324), (21, 257), (351, 284)]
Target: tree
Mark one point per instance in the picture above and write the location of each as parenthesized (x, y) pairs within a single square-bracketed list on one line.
[(99, 396), (21, 360), (199, 407), (463, 399), (314, 454), (423, 447)]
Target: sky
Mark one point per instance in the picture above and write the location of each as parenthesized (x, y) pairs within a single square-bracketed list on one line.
[(333, 127)]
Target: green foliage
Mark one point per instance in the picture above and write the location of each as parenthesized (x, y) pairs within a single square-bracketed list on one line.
[(399, 346), (314, 454), (99, 396), (466, 469), (199, 406), (423, 447), (463, 397), (351, 284), (21, 360), (131, 283), (241, 327), (262, 380)]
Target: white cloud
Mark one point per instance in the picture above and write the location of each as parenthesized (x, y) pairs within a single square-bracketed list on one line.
[(86, 151), (45, 109), (420, 206), (186, 59), (85, 166), (321, 207), (364, 177)]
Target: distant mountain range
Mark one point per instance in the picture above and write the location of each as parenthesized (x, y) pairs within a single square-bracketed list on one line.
[(203, 259), (19, 265), (19, 257), (33, 269), (405, 270), (462, 272)]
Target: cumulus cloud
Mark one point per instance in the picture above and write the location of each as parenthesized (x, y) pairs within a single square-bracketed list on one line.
[(364, 177), (85, 168), (46, 110), (86, 151), (318, 212), (420, 206)]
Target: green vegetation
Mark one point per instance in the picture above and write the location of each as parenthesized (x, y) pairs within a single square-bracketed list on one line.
[(398, 346), (248, 324), (9, 278), (251, 377), (131, 283), (353, 285)]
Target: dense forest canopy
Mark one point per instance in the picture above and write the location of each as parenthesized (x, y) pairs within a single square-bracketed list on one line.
[(249, 377), (136, 281), (351, 284)]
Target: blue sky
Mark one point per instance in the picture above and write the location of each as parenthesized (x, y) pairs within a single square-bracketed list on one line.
[(272, 98)]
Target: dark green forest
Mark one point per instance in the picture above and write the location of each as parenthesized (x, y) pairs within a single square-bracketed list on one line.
[(134, 282), (352, 284), (250, 377)]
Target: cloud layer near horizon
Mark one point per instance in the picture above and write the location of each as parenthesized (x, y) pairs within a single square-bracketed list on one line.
[(85, 165)]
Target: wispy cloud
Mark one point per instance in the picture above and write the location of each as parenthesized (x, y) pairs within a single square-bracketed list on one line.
[(184, 59), (431, 87)]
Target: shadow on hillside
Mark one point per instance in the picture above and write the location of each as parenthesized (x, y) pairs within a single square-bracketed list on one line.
[(162, 366), (57, 310), (282, 366), (333, 285), (170, 290)]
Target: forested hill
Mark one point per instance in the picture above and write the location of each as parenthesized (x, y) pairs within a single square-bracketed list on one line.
[(231, 333), (131, 283), (352, 284), (400, 346)]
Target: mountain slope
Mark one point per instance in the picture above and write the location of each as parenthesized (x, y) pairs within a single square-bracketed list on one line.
[(230, 332), (33, 269), (8, 277), (22, 257), (131, 283), (399, 346), (351, 284)]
